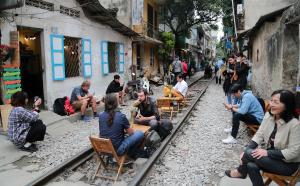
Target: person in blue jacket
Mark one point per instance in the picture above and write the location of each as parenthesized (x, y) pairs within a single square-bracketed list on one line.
[(248, 110)]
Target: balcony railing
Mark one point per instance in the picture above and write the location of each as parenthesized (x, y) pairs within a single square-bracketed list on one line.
[(149, 30)]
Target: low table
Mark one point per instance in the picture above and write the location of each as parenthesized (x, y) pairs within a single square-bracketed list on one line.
[(142, 128)]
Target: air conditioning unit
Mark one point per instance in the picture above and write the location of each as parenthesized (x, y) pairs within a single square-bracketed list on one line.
[(9, 4), (239, 9)]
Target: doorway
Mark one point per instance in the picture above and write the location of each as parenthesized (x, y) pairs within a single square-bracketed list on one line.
[(31, 63)]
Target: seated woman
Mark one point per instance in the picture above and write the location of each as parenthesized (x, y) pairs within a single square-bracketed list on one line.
[(24, 127), (113, 125), (280, 132)]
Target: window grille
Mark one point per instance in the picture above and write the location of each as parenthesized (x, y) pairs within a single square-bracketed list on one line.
[(40, 4), (72, 47), (69, 11)]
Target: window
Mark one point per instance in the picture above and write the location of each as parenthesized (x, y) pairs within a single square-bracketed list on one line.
[(150, 21), (40, 4), (112, 57), (72, 55), (69, 11), (151, 56)]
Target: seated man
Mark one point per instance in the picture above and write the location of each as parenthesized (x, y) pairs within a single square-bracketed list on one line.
[(180, 88), (115, 87), (80, 99), (247, 110), (148, 110), (113, 124)]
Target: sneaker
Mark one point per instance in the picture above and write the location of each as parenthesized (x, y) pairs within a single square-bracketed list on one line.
[(86, 119), (229, 140), (31, 148), (228, 130)]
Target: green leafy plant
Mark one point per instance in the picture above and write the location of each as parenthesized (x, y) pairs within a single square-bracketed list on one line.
[(166, 48)]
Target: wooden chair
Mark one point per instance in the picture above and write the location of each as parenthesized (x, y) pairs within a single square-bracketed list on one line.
[(282, 180), (164, 106), (104, 147)]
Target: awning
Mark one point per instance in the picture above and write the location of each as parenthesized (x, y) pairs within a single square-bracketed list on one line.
[(146, 39), (95, 11)]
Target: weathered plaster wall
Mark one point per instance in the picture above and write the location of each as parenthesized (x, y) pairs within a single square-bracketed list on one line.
[(277, 67), (68, 26), (265, 65), (124, 9)]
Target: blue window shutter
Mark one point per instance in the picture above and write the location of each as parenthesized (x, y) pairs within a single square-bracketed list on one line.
[(86, 58), (104, 58), (121, 58), (57, 57)]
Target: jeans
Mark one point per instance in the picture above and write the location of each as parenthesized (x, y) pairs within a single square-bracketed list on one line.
[(246, 118), (131, 143), (152, 123), (252, 167)]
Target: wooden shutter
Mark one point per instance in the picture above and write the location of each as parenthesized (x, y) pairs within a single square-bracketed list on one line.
[(57, 57), (121, 57), (104, 58), (86, 58)]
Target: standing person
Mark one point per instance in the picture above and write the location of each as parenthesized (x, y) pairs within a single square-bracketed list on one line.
[(148, 110), (248, 110), (24, 127), (218, 67), (184, 69), (228, 79), (113, 125), (279, 132), (243, 72), (177, 68), (115, 87), (80, 99)]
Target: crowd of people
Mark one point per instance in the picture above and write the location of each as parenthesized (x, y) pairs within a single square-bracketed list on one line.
[(274, 148)]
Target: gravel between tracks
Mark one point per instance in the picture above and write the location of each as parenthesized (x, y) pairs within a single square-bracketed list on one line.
[(197, 156)]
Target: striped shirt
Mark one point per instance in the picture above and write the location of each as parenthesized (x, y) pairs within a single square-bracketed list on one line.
[(19, 124)]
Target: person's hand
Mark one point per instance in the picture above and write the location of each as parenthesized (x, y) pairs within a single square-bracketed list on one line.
[(227, 106), (241, 156), (259, 153)]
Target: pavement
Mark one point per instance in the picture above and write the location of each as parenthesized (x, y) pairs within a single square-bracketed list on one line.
[(14, 162)]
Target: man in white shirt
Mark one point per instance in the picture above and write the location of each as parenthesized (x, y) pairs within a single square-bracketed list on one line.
[(180, 88)]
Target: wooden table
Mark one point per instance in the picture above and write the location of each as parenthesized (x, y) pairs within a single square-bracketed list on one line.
[(142, 128), (171, 98)]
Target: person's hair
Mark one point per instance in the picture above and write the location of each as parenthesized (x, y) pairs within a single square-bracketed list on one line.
[(116, 76), (236, 87), (111, 103), (85, 83), (180, 76), (224, 59), (288, 99), (18, 99), (144, 91)]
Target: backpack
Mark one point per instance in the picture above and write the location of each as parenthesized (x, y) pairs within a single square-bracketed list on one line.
[(68, 107), (164, 128), (59, 106), (262, 103)]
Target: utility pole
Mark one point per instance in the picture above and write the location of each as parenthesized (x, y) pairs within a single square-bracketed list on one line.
[(234, 23)]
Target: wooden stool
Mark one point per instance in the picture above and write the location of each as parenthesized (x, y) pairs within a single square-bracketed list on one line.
[(282, 180)]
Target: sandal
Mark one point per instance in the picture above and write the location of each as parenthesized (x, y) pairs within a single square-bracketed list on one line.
[(228, 173)]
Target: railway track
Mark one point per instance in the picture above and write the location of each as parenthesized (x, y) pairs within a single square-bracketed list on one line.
[(63, 171)]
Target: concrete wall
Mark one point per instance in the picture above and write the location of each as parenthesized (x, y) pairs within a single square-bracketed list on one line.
[(68, 26), (277, 64), (124, 12), (254, 9), (264, 64)]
